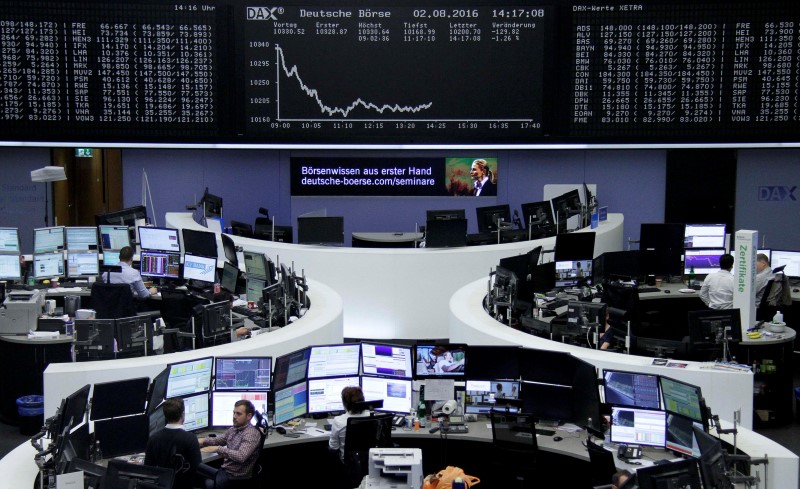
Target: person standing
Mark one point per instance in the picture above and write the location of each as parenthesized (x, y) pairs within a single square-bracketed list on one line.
[(175, 448), (717, 289)]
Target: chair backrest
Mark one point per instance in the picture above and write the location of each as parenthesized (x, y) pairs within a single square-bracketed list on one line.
[(176, 308), (513, 431), (601, 462), (112, 301), (363, 433)]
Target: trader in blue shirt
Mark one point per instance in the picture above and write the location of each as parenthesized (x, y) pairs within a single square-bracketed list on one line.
[(129, 275)]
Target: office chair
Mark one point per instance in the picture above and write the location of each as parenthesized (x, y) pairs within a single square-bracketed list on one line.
[(216, 478), (112, 301), (601, 462), (363, 433), (765, 312), (514, 447), (176, 310), (262, 229)]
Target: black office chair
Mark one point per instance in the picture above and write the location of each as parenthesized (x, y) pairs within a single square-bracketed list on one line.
[(514, 447), (262, 228), (177, 308), (112, 301), (601, 462), (363, 433)]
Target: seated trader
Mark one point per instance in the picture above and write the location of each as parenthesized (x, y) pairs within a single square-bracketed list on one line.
[(763, 275), (717, 289), (239, 445), (130, 275), (175, 448), (351, 397), (619, 478)]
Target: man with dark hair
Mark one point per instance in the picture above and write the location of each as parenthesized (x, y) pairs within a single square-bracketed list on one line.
[(175, 448), (717, 289), (351, 397), (239, 445), (619, 478), (763, 275), (129, 275)]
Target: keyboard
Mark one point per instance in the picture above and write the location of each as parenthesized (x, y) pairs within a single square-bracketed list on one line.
[(544, 432), (645, 290), (244, 311)]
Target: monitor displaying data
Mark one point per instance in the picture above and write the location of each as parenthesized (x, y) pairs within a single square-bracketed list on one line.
[(483, 395), (48, 239), (333, 360), (631, 426), (242, 373), (631, 389), (254, 289), (291, 402), (114, 237), (200, 268), (196, 412), (255, 265), (230, 277), (160, 264), (570, 273), (9, 240), (702, 261), (47, 265), (159, 239), (683, 399), (790, 260), (190, 377), (704, 236), (387, 360), (680, 435), (325, 395), (111, 257), (291, 368), (82, 263), (10, 268), (396, 393), (223, 403), (81, 238)]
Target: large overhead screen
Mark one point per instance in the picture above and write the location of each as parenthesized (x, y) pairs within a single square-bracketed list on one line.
[(303, 72)]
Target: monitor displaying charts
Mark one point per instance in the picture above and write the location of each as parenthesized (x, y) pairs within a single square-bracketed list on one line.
[(190, 377), (48, 239), (702, 261), (47, 265), (386, 360), (81, 238), (159, 239), (242, 373), (704, 236), (10, 268), (83, 263), (631, 426), (333, 361), (325, 395), (160, 264), (291, 402), (631, 389), (223, 403), (396, 393), (9, 240), (114, 237), (196, 412)]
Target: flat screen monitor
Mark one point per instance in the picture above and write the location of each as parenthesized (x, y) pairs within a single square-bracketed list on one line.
[(10, 268), (48, 265), (544, 277), (440, 360), (683, 399), (198, 412), (122, 436), (189, 377), (447, 233), (230, 277), (81, 238), (83, 263), (223, 403), (702, 261), (570, 273), (48, 239), (334, 361), (712, 461), (493, 362), (96, 337), (661, 262), (279, 234), (325, 395), (242, 373), (386, 360), (200, 268), (203, 243), (157, 391), (586, 314), (790, 260), (243, 229), (73, 410), (483, 395), (680, 435), (127, 217), (212, 204), (631, 389), (445, 214), (661, 236), (291, 368), (395, 393), (216, 318), (677, 473), (291, 402), (159, 239), (133, 334), (704, 236), (9, 240), (160, 264), (255, 287), (567, 205), (634, 426), (575, 246), (124, 474), (707, 325), (111, 258), (320, 230), (547, 401), (256, 265), (113, 237), (489, 216), (119, 398), (614, 265), (538, 215)]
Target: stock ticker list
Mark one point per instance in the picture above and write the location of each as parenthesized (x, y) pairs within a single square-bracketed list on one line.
[(108, 68), (672, 70), (413, 74)]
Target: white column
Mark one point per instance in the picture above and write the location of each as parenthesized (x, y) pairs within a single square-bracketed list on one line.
[(744, 253)]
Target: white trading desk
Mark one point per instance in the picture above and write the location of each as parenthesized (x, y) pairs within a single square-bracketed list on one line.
[(400, 292)]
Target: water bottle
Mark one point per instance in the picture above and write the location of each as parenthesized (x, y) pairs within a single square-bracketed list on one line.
[(777, 318), (691, 277)]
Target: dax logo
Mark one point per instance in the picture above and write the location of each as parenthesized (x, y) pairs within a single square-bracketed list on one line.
[(204, 269), (263, 13), (776, 193)]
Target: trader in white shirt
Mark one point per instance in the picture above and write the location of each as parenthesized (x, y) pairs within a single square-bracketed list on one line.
[(717, 290)]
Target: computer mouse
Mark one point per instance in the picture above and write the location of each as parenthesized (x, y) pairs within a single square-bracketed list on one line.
[(557, 438), (795, 290), (666, 291), (281, 430)]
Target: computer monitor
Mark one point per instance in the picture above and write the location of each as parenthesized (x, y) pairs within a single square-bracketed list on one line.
[(111, 258), (48, 239), (254, 289), (122, 436), (712, 461), (566, 205), (291, 368), (48, 265), (73, 410), (113, 237), (704, 236), (216, 320), (676, 473), (386, 360), (325, 395), (258, 266), (635, 426), (539, 215), (683, 399), (320, 230), (446, 233), (440, 360), (94, 339), (81, 238), (790, 260), (484, 395), (243, 229), (586, 314), (548, 401), (134, 335), (83, 264), (157, 391), (189, 377), (680, 435), (280, 234), (224, 402), (160, 264), (10, 267), (123, 474), (489, 216), (661, 236), (127, 217), (570, 273), (203, 243), (631, 389), (575, 246), (197, 412), (702, 261), (291, 402), (613, 265), (493, 362), (242, 373), (445, 214), (212, 204), (230, 277), (661, 262), (159, 239), (395, 393), (334, 360), (9, 240), (544, 277), (119, 398), (200, 268)]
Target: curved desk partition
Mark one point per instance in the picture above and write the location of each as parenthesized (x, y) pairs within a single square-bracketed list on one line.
[(401, 293)]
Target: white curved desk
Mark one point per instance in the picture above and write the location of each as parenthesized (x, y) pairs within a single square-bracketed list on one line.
[(400, 293)]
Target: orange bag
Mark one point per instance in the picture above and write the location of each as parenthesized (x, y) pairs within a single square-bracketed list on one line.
[(444, 478)]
